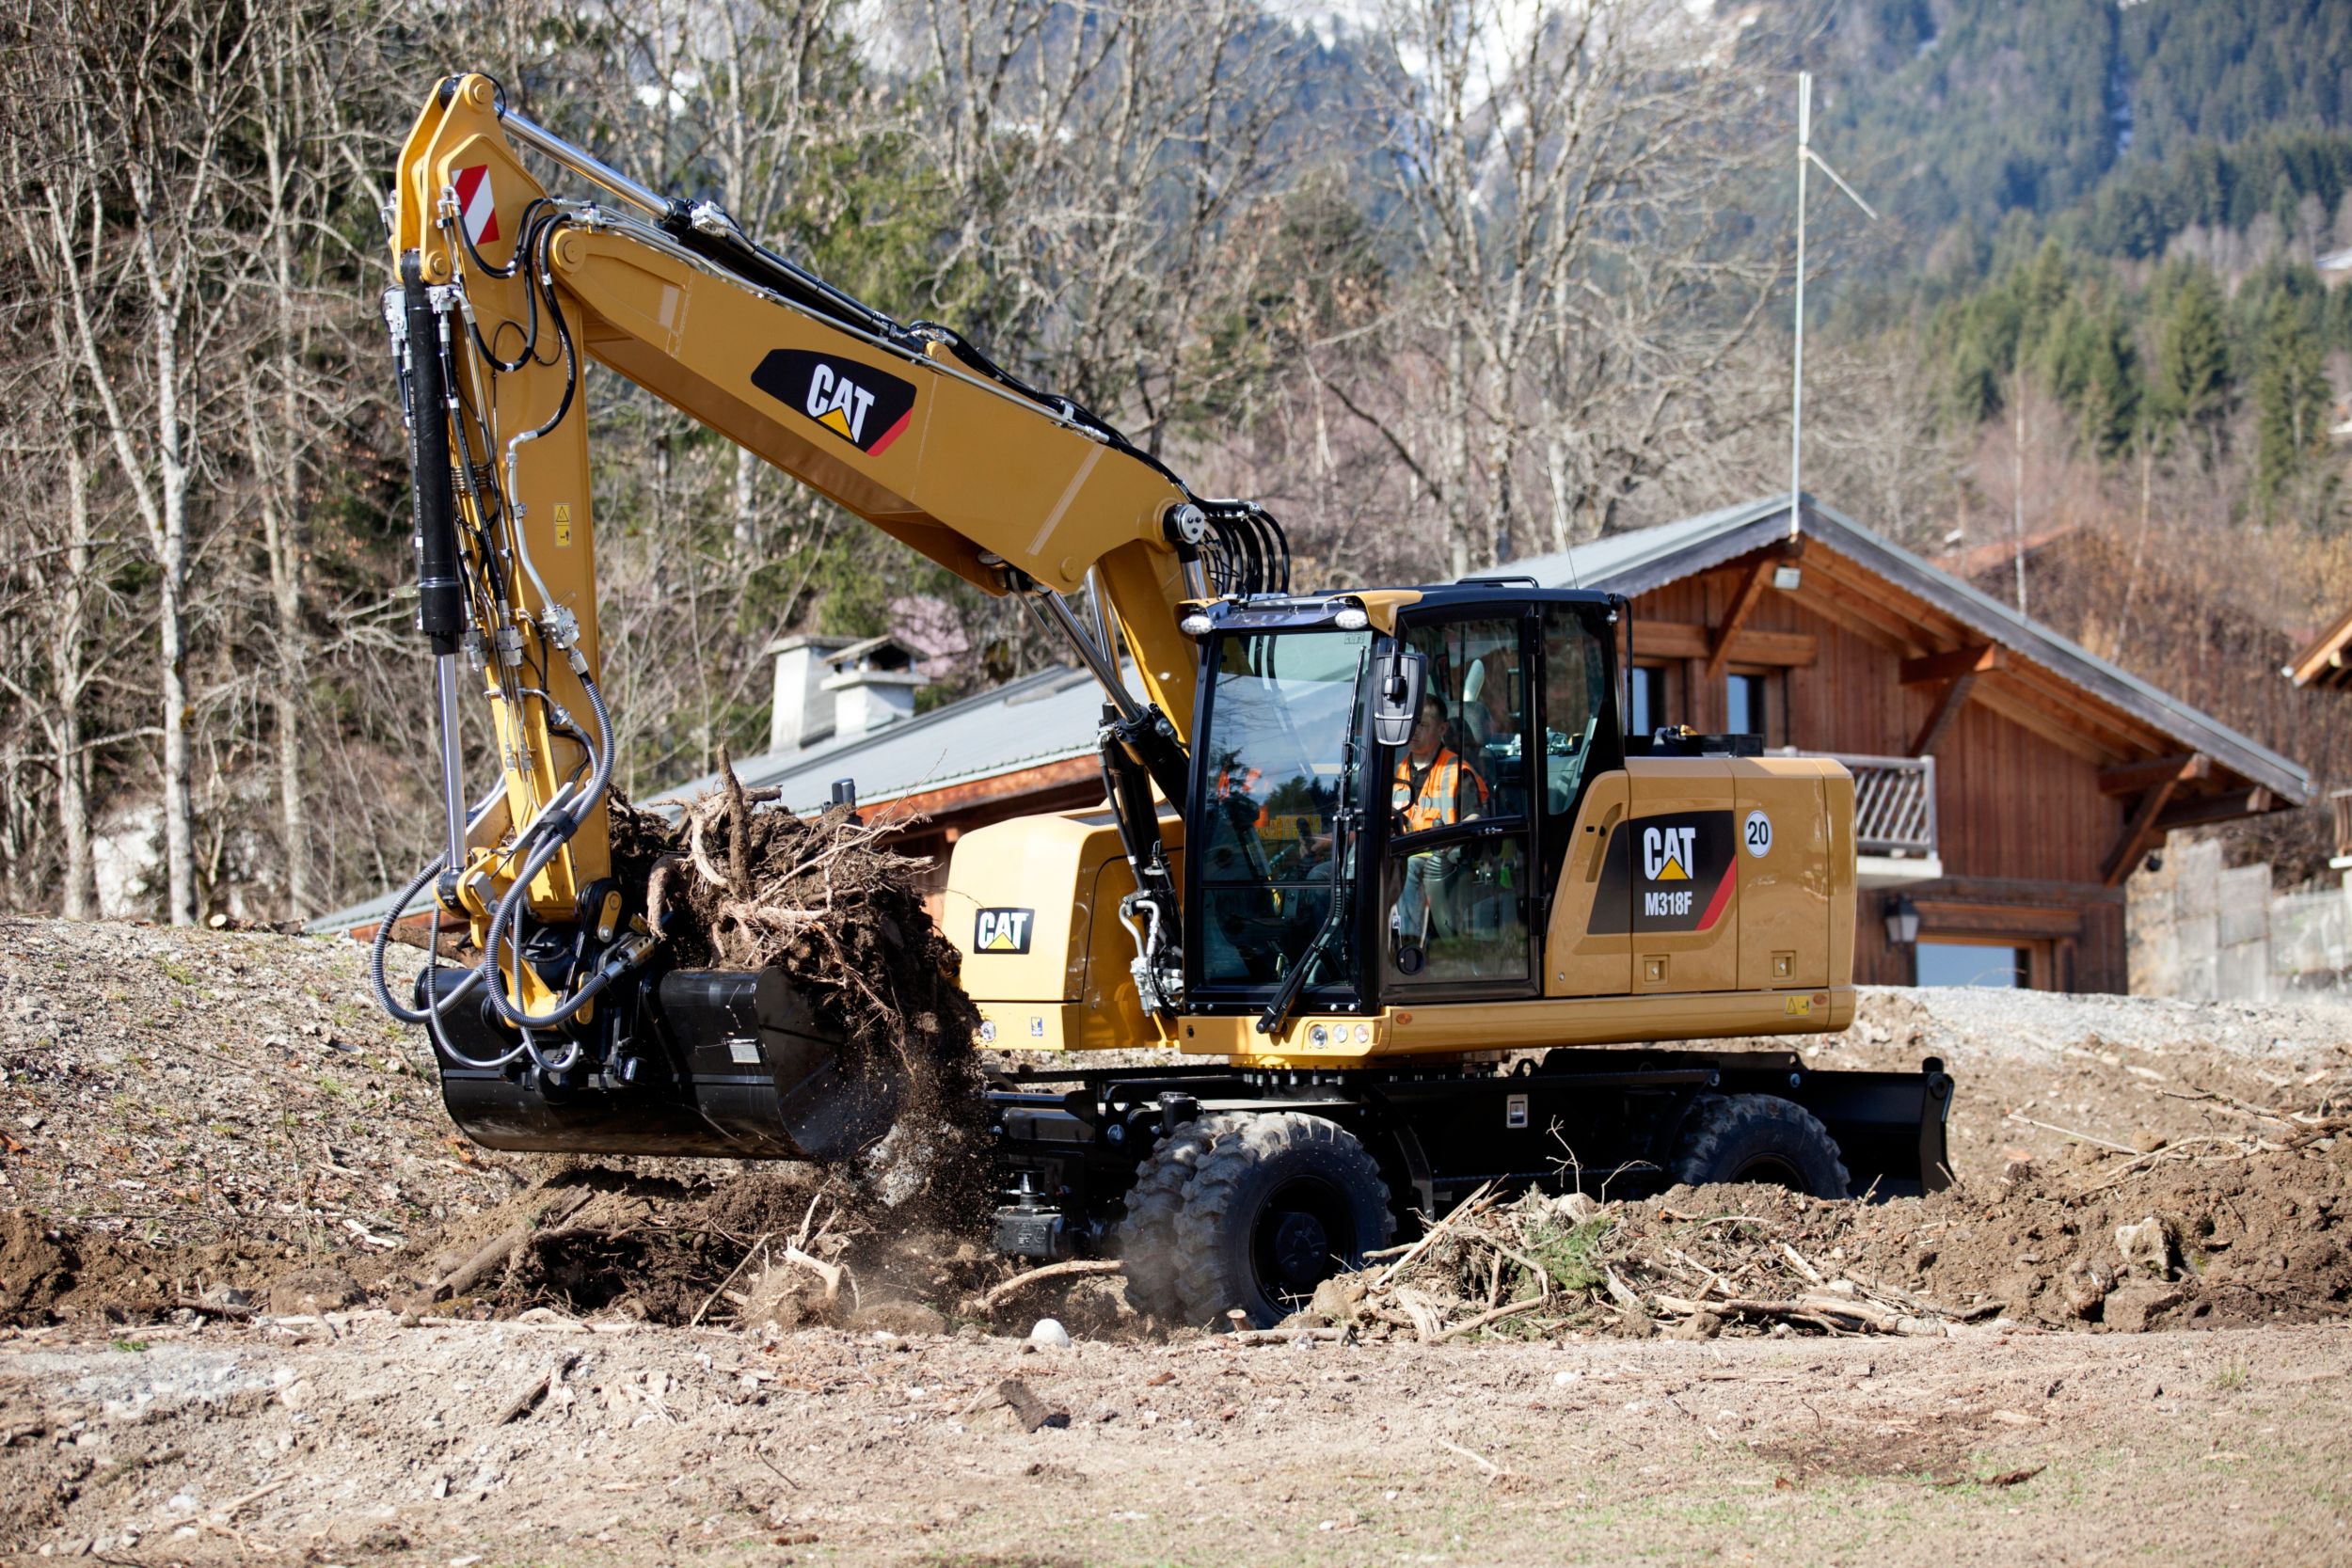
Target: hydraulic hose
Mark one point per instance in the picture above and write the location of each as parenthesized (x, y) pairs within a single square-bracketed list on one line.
[(555, 832), (429, 1016), (378, 949)]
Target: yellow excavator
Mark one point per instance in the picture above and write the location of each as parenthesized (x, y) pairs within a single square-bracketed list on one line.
[(1381, 862)]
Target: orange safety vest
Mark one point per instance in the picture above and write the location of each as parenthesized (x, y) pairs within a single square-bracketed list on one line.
[(1441, 797)]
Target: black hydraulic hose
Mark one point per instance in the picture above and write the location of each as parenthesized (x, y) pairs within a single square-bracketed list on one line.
[(376, 950), (544, 284), (430, 1015), (554, 832), (738, 253)]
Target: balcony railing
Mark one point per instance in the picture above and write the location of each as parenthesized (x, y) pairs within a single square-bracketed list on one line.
[(1894, 805)]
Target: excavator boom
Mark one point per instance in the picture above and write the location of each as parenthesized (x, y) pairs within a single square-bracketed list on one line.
[(509, 293)]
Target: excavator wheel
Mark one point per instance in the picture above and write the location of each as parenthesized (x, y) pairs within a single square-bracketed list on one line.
[(1759, 1137), (1279, 1202), (1147, 1237)]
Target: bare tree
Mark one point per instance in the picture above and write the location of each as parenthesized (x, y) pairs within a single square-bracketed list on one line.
[(1564, 175), (162, 77)]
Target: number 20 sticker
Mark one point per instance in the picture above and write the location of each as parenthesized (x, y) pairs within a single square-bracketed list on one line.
[(1757, 835)]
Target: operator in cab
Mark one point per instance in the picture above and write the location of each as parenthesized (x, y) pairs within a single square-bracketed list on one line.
[(1433, 788)]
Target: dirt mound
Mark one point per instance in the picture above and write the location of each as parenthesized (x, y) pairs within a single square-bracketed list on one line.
[(49, 1272), (2222, 1241), (2191, 1236), (733, 887)]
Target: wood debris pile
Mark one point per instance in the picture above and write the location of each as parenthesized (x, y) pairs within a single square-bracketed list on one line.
[(1541, 1265), (732, 886)]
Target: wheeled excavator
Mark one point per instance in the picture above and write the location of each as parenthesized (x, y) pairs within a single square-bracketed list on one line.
[(1378, 873)]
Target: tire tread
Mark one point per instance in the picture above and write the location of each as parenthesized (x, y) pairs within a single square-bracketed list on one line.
[(1718, 1120)]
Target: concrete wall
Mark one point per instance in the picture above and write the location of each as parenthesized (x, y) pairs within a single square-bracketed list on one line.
[(2205, 931)]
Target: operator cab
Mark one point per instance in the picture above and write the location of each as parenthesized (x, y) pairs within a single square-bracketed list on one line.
[(1410, 860)]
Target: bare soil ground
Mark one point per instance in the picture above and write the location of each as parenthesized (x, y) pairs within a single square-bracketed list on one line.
[(224, 1182)]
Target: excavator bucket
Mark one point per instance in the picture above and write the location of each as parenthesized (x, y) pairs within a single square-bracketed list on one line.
[(725, 1063)]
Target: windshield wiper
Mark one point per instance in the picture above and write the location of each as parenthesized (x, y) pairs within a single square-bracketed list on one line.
[(1278, 1011)]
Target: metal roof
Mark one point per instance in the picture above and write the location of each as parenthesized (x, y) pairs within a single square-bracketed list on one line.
[(1048, 717), (1051, 716)]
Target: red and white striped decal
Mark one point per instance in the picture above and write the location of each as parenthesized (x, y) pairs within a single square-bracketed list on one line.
[(476, 207)]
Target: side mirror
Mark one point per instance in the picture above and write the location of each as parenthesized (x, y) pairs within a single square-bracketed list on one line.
[(1397, 680)]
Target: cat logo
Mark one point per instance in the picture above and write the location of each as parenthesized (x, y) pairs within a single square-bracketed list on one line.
[(1673, 872), (1003, 931), (863, 405), (1666, 853)]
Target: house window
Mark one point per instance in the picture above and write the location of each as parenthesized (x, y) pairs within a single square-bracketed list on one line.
[(1753, 705), (1646, 708), (1988, 966)]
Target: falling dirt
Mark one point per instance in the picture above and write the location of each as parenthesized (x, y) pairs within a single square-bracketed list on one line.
[(777, 1247)]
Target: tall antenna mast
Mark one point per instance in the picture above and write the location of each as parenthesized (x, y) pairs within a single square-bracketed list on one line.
[(1796, 399)]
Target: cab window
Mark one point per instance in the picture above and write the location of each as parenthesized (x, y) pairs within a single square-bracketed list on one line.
[(1576, 690)]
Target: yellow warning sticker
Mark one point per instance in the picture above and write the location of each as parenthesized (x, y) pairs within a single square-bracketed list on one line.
[(1799, 1006), (563, 523)]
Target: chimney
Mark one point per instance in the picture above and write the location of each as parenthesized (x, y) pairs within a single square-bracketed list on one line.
[(873, 684), (801, 715)]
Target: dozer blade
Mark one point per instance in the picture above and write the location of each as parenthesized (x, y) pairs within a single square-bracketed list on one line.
[(730, 1063)]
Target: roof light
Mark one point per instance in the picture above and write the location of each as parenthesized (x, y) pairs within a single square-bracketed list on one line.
[(1196, 624), (1351, 618)]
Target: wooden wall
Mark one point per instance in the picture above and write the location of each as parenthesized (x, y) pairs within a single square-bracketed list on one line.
[(2024, 830)]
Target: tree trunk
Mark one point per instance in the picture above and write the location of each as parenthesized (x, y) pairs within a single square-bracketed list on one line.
[(1456, 447), (171, 631), (81, 879), (282, 531)]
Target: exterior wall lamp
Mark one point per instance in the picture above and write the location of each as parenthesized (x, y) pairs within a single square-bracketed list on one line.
[(1902, 921)]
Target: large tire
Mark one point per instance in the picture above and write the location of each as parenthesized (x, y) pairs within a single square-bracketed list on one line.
[(1279, 1202), (1759, 1137), (1148, 1246)]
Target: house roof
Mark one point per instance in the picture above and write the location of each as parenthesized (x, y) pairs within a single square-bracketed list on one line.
[(1039, 719), (2329, 660), (1633, 564), (1051, 716)]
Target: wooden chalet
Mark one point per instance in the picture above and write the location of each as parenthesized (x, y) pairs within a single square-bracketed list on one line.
[(2009, 781), (2325, 666)]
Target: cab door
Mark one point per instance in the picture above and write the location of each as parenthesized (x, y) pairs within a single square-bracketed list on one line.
[(1588, 944), (1588, 940), (1457, 896)]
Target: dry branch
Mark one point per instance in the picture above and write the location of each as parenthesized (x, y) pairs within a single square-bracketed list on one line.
[(995, 1294)]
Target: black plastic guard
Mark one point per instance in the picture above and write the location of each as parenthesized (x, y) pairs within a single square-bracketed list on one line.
[(733, 1065)]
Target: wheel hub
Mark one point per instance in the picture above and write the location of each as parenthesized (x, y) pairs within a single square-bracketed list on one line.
[(1302, 1250)]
